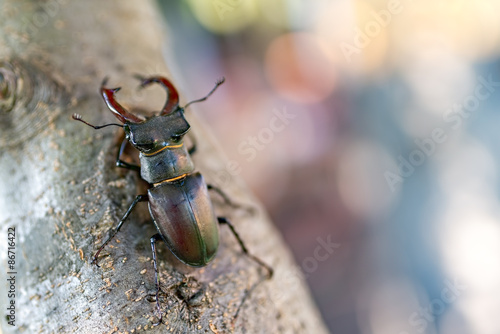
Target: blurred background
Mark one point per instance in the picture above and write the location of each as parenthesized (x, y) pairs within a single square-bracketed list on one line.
[(369, 130)]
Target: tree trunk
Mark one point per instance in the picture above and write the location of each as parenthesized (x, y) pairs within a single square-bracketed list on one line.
[(61, 192)]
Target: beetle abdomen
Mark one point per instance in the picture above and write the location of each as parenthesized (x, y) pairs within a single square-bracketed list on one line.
[(183, 214)]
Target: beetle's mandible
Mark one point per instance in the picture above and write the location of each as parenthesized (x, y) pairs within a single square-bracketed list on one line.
[(178, 197)]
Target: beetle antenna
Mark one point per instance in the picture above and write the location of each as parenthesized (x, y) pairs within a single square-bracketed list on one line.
[(217, 84), (78, 117)]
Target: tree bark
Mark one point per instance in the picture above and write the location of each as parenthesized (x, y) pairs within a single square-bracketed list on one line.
[(61, 192)]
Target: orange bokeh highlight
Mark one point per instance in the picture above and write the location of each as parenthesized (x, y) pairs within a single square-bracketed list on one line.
[(299, 67)]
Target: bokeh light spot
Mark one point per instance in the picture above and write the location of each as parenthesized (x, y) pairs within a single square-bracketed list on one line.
[(224, 16), (299, 67)]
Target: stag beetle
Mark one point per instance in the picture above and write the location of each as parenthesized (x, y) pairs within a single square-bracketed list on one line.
[(178, 198)]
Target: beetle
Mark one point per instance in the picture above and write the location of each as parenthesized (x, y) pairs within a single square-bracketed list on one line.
[(178, 198)]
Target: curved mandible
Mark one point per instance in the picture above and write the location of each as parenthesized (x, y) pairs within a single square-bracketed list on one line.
[(173, 97), (108, 94)]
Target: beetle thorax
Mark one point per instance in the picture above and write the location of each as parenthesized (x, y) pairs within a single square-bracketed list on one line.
[(159, 139), (169, 163)]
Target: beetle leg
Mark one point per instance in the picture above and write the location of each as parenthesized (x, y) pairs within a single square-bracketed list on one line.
[(154, 239), (192, 149), (222, 194), (223, 220), (228, 201), (121, 163), (139, 198)]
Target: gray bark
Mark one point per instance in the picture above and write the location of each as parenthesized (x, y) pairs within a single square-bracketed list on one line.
[(60, 190)]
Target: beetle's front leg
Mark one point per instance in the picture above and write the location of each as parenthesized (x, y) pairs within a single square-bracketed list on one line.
[(120, 162), (139, 198)]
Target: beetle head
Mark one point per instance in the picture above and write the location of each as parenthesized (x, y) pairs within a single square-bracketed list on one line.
[(154, 133), (157, 132)]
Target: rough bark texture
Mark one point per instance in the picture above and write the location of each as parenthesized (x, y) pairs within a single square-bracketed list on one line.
[(60, 190)]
